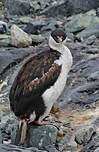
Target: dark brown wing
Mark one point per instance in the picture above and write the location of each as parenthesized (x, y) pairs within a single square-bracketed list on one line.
[(38, 74)]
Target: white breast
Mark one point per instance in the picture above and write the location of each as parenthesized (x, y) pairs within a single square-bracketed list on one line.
[(51, 94)]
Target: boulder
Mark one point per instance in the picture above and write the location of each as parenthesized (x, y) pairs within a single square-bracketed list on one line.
[(79, 22), (45, 136), (93, 29), (19, 38), (17, 7)]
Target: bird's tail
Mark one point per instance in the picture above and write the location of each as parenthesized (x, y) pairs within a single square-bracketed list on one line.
[(21, 133)]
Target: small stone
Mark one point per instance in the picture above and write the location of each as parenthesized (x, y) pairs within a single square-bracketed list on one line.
[(51, 148), (19, 38), (65, 122), (84, 134), (67, 143), (37, 38), (55, 108), (97, 150), (91, 40), (96, 121), (60, 133)]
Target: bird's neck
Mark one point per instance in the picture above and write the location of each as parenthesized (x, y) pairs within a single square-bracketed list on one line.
[(56, 46)]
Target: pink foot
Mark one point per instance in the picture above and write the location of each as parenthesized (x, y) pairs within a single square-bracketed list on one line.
[(39, 123)]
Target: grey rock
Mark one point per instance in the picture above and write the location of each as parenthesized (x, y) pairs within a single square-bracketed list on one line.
[(3, 1), (62, 8), (84, 134), (37, 6), (13, 148), (19, 38), (96, 122), (69, 7), (51, 148), (97, 150), (18, 7), (79, 22), (90, 40), (45, 136), (11, 56), (94, 76), (86, 92), (37, 38), (83, 6), (92, 145), (34, 26), (97, 11), (91, 30), (3, 27), (1, 139), (67, 143)]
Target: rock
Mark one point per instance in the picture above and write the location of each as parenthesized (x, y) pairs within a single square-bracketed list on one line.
[(90, 40), (19, 38), (93, 29), (96, 122), (92, 145), (97, 11), (1, 140), (94, 76), (34, 26), (37, 38), (45, 136), (3, 27), (83, 6), (84, 134), (67, 143), (18, 7), (13, 148), (69, 7), (91, 12), (97, 150), (37, 6), (62, 8), (79, 22), (11, 56)]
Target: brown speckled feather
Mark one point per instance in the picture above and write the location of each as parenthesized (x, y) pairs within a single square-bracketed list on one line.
[(37, 74)]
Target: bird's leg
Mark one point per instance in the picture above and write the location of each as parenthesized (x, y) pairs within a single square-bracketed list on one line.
[(41, 121)]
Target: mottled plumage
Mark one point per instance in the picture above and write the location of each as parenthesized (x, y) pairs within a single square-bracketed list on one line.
[(40, 82), (38, 74)]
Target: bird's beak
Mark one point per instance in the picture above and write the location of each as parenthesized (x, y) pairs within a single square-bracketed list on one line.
[(60, 40)]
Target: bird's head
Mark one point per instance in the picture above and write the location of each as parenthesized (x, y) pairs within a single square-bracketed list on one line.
[(57, 38)]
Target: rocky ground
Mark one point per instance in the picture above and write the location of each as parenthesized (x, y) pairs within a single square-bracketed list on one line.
[(25, 26)]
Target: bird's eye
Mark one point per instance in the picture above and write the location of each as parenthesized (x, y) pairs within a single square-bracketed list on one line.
[(61, 37), (57, 37)]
